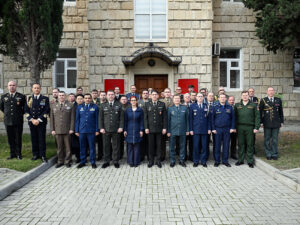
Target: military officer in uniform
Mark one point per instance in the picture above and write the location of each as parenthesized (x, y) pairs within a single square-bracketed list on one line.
[(212, 137), (125, 104), (117, 94), (168, 102), (200, 128), (223, 124), (86, 128), (155, 122), (252, 98), (271, 119), (12, 105), (111, 123), (55, 92), (132, 93), (37, 109), (247, 123), (95, 98), (62, 119), (178, 127), (233, 136)]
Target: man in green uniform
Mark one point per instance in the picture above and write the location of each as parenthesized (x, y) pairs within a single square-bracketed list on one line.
[(247, 123)]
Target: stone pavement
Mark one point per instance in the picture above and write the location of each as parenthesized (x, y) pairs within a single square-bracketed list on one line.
[(7, 175), (236, 195)]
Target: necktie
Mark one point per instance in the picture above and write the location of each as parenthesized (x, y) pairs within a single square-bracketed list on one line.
[(154, 103), (110, 104), (61, 106)]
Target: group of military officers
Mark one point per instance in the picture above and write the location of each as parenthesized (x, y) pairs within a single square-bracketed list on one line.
[(190, 122)]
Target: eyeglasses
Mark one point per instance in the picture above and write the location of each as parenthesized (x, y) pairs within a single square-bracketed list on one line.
[(133, 100)]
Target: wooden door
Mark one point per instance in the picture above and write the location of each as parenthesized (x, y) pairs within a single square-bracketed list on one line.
[(157, 82)]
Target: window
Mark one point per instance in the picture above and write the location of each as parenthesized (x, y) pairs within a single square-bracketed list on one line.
[(65, 70), (232, 0), (297, 68), (69, 2), (150, 22), (230, 69)]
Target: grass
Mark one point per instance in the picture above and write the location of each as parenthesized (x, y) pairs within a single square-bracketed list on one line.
[(288, 150), (26, 163)]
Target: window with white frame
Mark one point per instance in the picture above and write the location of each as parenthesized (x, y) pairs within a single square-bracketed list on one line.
[(65, 70), (232, 0), (69, 2), (297, 68), (230, 69), (150, 20)]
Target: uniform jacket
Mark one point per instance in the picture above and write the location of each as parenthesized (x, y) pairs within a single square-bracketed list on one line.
[(178, 120), (155, 117), (96, 101), (168, 102), (13, 108), (141, 103), (87, 118), (62, 118), (117, 98), (254, 100), (133, 124), (247, 114), (111, 118), (37, 108), (200, 119), (128, 95), (271, 114), (223, 117)]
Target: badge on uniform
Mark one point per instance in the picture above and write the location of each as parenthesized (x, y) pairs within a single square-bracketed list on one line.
[(82, 109), (6, 99), (68, 107), (92, 109), (205, 109), (43, 102), (173, 113), (149, 109), (228, 110)]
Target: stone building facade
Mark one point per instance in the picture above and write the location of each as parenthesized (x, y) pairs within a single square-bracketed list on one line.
[(117, 39)]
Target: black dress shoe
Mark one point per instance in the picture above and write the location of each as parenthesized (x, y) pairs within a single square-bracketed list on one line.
[(195, 164), (68, 165), (77, 160), (10, 157), (204, 165), (251, 165), (159, 164), (59, 165), (44, 159), (19, 157), (234, 157), (216, 164), (274, 157), (94, 166), (182, 164), (150, 164), (269, 158), (227, 164), (172, 164), (117, 165), (35, 157), (80, 165), (131, 165), (239, 163), (105, 165)]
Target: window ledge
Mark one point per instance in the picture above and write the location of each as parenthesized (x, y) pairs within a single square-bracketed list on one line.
[(68, 4), (233, 89), (147, 40), (68, 90)]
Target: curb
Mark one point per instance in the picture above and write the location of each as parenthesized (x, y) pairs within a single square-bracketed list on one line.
[(278, 175), (26, 178)]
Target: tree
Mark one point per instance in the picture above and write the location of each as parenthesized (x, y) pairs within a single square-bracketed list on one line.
[(30, 32), (277, 22)]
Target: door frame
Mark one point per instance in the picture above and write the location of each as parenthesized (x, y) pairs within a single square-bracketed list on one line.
[(156, 75), (142, 68)]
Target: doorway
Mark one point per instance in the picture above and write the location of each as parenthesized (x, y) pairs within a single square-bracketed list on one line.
[(156, 82)]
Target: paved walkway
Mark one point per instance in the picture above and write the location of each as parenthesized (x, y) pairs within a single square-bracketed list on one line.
[(236, 195), (7, 175)]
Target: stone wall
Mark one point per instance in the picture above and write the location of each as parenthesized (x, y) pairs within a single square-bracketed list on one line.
[(75, 35), (234, 26), (111, 29)]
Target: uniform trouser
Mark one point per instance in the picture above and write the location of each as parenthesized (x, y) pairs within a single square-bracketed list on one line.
[(38, 139), (122, 139), (245, 139), (63, 148), (163, 147), (214, 145), (189, 147), (200, 145), (233, 137), (133, 155), (154, 140), (271, 133), (222, 137), (182, 140), (84, 139), (144, 147), (111, 144), (75, 146), (14, 134), (100, 146)]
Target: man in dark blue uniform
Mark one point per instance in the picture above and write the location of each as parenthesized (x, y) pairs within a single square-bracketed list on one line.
[(86, 127), (37, 109), (132, 93), (200, 128), (223, 124), (12, 105)]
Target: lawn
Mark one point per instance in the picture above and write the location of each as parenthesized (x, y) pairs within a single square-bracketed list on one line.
[(288, 149), (26, 163)]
